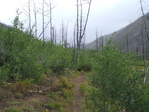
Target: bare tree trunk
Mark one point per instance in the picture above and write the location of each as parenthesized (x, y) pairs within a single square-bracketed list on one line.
[(101, 41), (142, 39), (43, 29), (147, 35), (63, 37), (51, 30), (77, 38), (81, 22), (97, 43), (74, 48), (80, 27), (66, 33), (87, 16), (29, 16), (145, 24), (83, 46), (55, 36), (35, 16), (49, 5)]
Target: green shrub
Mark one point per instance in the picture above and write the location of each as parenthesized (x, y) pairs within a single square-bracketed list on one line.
[(12, 110), (20, 55), (118, 83), (85, 68), (57, 58)]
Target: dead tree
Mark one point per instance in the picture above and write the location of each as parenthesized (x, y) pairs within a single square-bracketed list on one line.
[(142, 41), (81, 33), (27, 12), (97, 43), (66, 34), (144, 20), (81, 23), (147, 35), (86, 21), (43, 22), (101, 41), (55, 35), (35, 17), (74, 46), (62, 33), (49, 15), (51, 26)]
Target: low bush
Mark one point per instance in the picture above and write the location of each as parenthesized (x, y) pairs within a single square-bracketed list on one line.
[(116, 83), (12, 110)]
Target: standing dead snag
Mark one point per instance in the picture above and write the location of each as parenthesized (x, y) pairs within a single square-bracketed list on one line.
[(97, 41), (27, 12), (64, 34), (144, 20), (82, 29), (35, 17), (147, 35), (86, 21), (81, 23), (49, 15), (43, 22)]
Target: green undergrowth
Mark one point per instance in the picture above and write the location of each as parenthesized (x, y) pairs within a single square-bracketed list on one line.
[(37, 76), (117, 84), (61, 98)]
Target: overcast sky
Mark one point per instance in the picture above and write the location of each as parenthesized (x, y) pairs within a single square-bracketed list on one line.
[(107, 16)]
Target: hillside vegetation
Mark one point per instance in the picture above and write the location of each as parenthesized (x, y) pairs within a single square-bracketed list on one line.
[(37, 77)]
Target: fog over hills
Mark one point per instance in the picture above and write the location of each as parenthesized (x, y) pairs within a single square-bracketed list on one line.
[(132, 37)]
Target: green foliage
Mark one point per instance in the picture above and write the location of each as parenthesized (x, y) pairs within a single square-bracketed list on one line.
[(116, 83), (57, 58), (61, 96), (86, 60), (20, 52), (24, 57), (20, 56), (16, 23), (12, 110)]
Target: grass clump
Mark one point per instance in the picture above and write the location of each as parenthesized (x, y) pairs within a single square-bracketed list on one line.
[(62, 96), (12, 110)]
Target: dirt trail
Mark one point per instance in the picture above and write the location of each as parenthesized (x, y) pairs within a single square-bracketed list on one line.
[(77, 94)]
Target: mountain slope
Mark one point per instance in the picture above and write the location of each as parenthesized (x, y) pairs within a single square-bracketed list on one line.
[(130, 37), (3, 25)]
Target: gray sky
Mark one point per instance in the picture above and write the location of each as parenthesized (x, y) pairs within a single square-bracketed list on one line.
[(107, 16)]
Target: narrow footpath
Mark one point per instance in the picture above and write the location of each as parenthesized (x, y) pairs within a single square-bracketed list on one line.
[(77, 94)]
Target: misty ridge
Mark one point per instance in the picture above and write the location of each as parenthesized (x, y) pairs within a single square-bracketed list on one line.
[(131, 38)]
